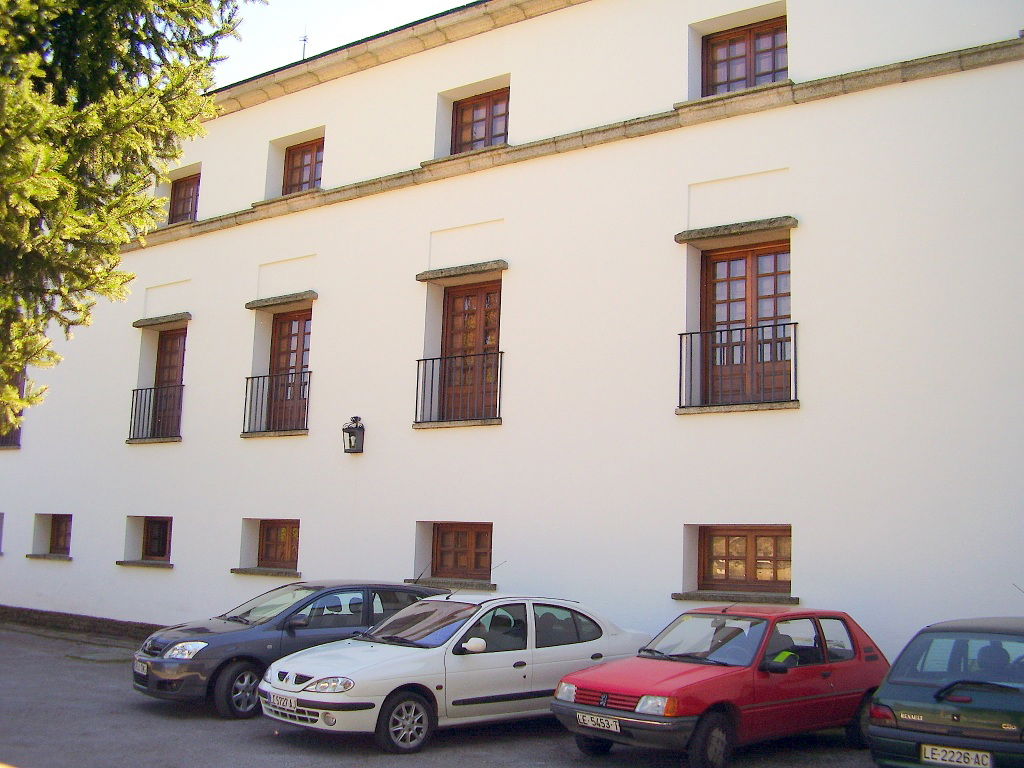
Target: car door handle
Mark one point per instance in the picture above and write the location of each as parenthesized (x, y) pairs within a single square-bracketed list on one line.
[(827, 673), (519, 664), (597, 656)]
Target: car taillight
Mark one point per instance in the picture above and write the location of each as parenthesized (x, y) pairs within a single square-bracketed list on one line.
[(881, 715)]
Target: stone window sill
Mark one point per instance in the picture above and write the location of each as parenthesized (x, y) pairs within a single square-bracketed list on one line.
[(282, 433), (465, 155), (10, 447), (463, 423), (282, 572), (464, 585), (48, 556), (691, 410), (714, 596), (148, 440), (144, 563)]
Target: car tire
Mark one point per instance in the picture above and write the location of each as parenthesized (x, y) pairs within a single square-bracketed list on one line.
[(857, 729), (406, 723), (235, 691), (712, 742), (593, 747)]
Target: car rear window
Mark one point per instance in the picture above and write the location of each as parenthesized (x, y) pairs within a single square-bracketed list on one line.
[(939, 658)]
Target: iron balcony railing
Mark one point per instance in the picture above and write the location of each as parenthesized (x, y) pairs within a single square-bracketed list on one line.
[(730, 366), (277, 403), (459, 388), (12, 439), (156, 412)]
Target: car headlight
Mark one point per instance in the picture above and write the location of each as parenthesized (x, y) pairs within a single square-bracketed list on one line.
[(667, 706), (184, 650), (565, 692), (330, 685)]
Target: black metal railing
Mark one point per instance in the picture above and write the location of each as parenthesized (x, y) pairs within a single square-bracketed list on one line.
[(12, 439), (156, 412), (459, 388), (277, 403), (730, 366)]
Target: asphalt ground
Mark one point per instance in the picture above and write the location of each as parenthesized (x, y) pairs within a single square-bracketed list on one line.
[(67, 702)]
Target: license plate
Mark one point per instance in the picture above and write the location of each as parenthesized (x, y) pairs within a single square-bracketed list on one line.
[(139, 667), (283, 702), (936, 755), (593, 721)]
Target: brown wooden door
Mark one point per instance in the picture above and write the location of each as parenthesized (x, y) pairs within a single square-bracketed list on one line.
[(747, 339), (462, 550), (170, 366), (470, 368), (288, 385)]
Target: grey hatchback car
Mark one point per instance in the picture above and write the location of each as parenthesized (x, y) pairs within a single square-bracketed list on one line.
[(224, 657)]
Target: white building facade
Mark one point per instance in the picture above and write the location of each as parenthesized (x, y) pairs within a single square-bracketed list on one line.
[(610, 338)]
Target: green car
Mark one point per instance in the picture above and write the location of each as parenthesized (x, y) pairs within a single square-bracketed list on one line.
[(955, 696)]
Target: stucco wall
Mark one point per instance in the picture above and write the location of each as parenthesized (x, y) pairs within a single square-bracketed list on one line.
[(897, 473)]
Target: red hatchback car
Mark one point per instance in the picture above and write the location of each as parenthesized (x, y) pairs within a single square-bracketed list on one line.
[(719, 677)]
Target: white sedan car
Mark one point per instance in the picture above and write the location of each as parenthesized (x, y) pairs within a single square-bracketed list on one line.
[(444, 661)]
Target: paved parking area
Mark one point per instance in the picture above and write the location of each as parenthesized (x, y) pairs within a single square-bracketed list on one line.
[(67, 702)]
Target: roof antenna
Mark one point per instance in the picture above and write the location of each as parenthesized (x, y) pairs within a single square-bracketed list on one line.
[(304, 39)]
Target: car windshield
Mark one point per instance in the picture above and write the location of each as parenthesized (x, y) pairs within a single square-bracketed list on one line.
[(701, 638), (426, 624), (941, 658), (269, 604)]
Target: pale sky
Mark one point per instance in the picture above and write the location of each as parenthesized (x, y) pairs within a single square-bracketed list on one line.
[(271, 33)]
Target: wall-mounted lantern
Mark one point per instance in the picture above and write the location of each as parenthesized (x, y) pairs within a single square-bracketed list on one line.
[(352, 433)]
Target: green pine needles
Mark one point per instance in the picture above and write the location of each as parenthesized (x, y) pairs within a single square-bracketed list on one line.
[(96, 97)]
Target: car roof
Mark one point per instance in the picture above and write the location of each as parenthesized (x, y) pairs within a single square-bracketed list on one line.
[(764, 610), (481, 598), (333, 584), (1006, 625)]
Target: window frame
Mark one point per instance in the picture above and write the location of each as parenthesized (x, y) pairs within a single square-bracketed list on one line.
[(751, 532), (262, 544), (60, 535), (749, 33), (316, 166), (184, 199), (470, 573), (489, 99), (145, 553)]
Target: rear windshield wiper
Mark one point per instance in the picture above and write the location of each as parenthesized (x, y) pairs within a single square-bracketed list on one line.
[(946, 689)]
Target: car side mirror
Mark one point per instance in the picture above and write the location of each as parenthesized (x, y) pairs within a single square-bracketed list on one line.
[(774, 667), (297, 622), (474, 645)]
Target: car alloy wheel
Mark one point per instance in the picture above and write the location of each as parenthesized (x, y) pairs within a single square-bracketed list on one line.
[(235, 693), (406, 723)]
